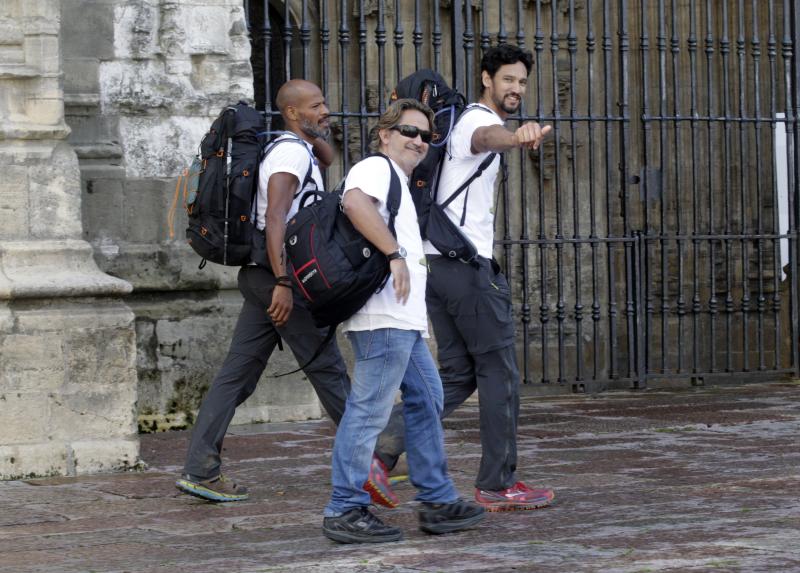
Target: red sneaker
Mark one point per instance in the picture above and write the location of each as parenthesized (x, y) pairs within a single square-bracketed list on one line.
[(378, 487), (517, 497)]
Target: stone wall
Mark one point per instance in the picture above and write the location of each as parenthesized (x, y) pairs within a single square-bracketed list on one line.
[(67, 346), (144, 79)]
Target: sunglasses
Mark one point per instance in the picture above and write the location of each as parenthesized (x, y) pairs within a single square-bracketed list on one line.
[(412, 131)]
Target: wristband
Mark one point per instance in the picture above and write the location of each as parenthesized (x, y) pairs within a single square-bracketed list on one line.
[(284, 278), (287, 285)]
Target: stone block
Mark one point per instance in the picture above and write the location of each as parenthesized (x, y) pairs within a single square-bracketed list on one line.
[(95, 413), (32, 460), (103, 455), (14, 202), (205, 29), (33, 317), (40, 351), (87, 29), (81, 75), (145, 212), (102, 209), (39, 380), (97, 357), (136, 29), (160, 147), (23, 417), (54, 200)]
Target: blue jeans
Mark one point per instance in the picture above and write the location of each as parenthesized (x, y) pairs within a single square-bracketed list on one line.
[(388, 359)]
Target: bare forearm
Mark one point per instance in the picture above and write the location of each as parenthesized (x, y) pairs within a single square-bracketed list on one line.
[(323, 151), (276, 228), (493, 138)]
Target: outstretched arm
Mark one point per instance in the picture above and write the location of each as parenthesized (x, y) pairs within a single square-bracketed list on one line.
[(498, 139)]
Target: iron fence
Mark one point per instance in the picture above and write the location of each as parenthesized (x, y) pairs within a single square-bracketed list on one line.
[(655, 235)]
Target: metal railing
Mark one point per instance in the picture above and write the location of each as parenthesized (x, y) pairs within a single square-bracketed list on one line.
[(655, 234)]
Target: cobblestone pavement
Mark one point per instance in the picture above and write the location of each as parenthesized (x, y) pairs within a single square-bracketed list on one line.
[(694, 480)]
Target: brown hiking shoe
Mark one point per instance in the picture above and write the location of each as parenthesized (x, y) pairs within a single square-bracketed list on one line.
[(219, 488)]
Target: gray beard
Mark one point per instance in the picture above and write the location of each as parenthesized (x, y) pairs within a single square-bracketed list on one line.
[(314, 132)]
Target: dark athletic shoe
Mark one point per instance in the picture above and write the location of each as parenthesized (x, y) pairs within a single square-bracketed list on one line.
[(359, 526), (219, 489), (436, 518)]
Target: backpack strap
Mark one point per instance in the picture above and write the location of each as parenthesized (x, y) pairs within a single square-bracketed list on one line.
[(481, 168), (309, 178), (394, 196)]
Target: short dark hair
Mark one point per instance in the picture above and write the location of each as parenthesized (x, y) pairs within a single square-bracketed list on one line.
[(504, 54)]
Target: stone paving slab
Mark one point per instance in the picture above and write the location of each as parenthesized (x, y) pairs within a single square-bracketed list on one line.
[(699, 480)]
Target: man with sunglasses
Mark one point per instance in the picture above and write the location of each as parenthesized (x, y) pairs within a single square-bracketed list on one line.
[(387, 336), (470, 304)]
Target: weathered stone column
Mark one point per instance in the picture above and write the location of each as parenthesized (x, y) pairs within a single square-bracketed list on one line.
[(67, 342)]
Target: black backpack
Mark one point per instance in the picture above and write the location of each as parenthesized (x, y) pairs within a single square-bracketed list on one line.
[(448, 105), (220, 185), (335, 268)]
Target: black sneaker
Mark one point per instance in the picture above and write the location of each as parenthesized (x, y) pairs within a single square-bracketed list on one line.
[(436, 518), (359, 526)]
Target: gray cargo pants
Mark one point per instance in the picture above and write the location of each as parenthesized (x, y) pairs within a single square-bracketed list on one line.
[(470, 309), (254, 339)]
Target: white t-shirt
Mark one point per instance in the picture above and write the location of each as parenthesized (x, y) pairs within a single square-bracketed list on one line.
[(293, 157), (382, 310), (458, 166)]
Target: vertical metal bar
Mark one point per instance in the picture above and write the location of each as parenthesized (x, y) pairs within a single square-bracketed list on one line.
[(692, 45), (624, 138), (266, 37), (664, 159), (344, 59), (398, 42), (457, 34), (647, 126), (755, 44), (485, 38), (325, 40), (608, 75), (724, 50), (591, 43), (559, 238), (469, 51), (287, 41), (362, 60), (525, 236), (544, 307), (417, 36), (380, 40), (305, 38), (572, 46), (502, 34), (437, 37), (744, 212), (791, 40), (711, 152), (772, 53), (676, 112)]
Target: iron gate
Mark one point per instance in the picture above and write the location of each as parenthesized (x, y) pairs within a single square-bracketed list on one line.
[(655, 235)]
